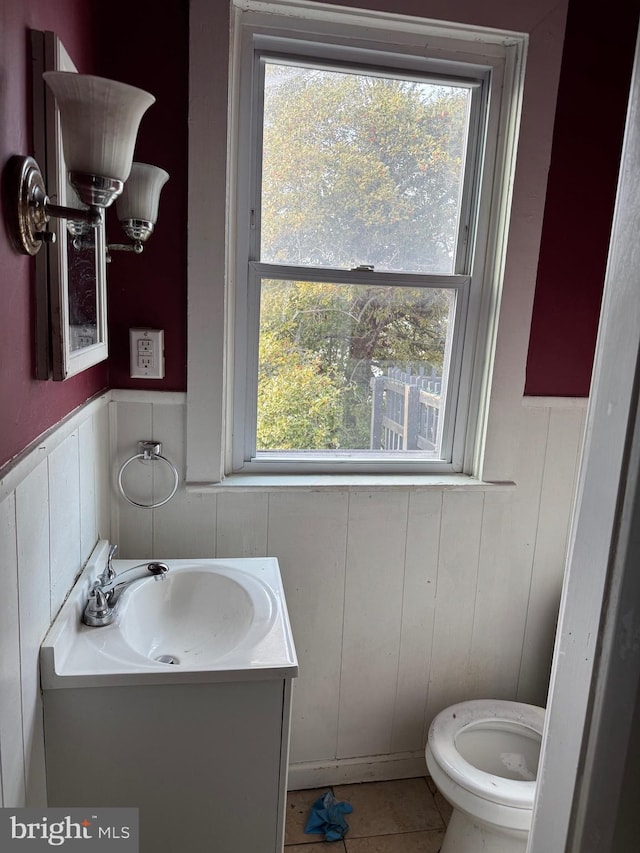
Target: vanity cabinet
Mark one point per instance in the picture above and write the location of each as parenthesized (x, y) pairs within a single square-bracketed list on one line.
[(205, 764), (199, 746)]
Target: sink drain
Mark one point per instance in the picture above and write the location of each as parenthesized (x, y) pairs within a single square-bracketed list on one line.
[(167, 659)]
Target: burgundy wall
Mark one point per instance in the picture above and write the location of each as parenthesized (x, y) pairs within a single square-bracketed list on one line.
[(28, 407), (589, 127), (150, 290)]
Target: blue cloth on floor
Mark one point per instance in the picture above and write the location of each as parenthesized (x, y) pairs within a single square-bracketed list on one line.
[(327, 815)]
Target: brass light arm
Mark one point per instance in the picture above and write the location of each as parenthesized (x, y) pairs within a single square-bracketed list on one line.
[(92, 215), (138, 248)]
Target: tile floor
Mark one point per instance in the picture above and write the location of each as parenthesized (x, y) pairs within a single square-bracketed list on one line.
[(403, 816)]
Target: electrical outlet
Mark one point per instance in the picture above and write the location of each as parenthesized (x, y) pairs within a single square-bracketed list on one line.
[(146, 353)]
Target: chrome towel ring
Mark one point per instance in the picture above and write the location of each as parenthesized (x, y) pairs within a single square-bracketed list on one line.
[(149, 452)]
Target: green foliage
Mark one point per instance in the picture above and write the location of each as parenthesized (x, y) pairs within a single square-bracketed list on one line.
[(298, 405), (320, 344), (356, 170), (361, 170)]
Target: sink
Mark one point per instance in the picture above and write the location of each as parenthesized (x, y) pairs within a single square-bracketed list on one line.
[(207, 620), (193, 676), (195, 615)]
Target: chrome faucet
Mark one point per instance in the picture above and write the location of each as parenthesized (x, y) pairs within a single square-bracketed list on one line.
[(102, 604)]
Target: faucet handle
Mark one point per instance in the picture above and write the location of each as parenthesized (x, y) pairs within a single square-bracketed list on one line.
[(109, 573), (97, 611)]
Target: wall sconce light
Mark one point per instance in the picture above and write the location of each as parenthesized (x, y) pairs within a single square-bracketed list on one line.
[(99, 121), (137, 207)]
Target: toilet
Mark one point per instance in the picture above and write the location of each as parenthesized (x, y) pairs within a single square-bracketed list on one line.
[(483, 757)]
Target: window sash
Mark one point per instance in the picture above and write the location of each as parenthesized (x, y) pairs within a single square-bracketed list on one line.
[(396, 68), (241, 456), (321, 461)]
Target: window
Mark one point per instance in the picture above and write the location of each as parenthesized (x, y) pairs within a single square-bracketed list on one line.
[(368, 181)]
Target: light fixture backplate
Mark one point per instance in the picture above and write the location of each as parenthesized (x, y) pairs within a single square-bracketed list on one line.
[(26, 198)]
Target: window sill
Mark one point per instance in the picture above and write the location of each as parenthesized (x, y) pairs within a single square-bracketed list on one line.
[(347, 482)]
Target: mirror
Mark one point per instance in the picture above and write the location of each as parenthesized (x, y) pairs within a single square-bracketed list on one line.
[(71, 322)]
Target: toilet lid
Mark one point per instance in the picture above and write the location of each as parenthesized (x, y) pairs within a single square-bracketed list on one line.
[(467, 716)]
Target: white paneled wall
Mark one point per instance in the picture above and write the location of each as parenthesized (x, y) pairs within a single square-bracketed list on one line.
[(54, 505), (402, 600)]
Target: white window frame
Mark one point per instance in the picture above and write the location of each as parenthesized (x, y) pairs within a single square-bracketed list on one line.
[(211, 426)]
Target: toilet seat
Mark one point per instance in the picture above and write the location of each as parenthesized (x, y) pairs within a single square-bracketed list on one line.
[(447, 726)]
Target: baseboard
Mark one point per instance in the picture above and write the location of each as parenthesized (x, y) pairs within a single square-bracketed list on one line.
[(374, 768)]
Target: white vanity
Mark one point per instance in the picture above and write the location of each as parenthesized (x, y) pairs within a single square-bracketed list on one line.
[(199, 745)]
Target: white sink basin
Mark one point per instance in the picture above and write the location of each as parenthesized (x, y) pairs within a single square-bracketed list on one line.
[(195, 615), (208, 620)]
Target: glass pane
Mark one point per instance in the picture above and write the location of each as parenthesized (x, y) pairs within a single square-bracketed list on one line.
[(82, 290), (361, 169), (351, 367)]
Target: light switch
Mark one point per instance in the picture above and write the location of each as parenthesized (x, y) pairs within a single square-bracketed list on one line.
[(146, 353)]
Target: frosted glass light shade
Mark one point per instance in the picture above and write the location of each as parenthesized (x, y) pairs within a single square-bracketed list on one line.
[(141, 193), (99, 120)]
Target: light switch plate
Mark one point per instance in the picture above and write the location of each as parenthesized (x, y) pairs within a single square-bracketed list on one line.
[(146, 353)]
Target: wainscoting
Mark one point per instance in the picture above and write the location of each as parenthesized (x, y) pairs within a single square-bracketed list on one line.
[(54, 506), (402, 600)]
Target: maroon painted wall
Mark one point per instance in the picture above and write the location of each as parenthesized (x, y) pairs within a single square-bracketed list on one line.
[(589, 127), (29, 407), (152, 52), (151, 290)]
